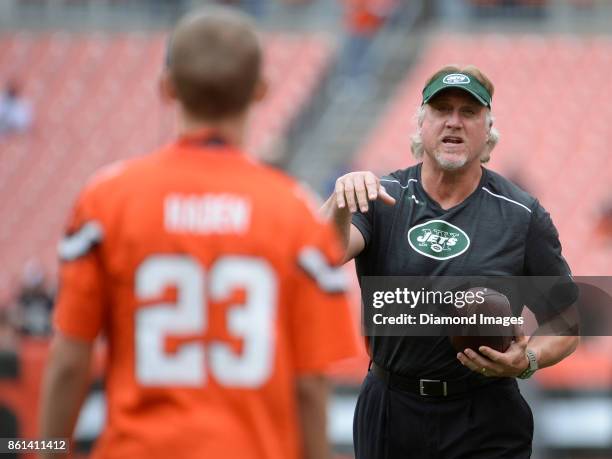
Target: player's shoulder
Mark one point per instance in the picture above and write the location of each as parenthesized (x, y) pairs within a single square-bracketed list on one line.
[(400, 180), (112, 178), (498, 187)]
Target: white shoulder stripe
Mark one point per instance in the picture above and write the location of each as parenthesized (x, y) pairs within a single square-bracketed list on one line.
[(78, 244), (507, 199), (398, 182), (328, 278)]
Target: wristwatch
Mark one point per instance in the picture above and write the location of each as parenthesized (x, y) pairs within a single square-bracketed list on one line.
[(533, 365)]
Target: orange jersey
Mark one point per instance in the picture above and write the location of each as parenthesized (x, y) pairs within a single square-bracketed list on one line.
[(216, 287)]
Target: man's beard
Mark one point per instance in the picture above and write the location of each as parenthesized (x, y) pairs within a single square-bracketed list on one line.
[(450, 165)]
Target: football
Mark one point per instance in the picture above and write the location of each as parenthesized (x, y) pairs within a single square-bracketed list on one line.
[(489, 304)]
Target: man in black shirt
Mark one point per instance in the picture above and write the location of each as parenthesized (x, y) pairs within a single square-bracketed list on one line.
[(421, 399)]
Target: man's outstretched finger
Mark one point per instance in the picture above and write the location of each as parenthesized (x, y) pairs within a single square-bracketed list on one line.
[(372, 183), (385, 197), (361, 194)]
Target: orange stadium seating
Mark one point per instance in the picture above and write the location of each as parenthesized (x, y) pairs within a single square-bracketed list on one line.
[(551, 108), (95, 101)]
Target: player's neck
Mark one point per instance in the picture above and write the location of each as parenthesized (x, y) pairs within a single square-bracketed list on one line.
[(450, 188), (231, 130)]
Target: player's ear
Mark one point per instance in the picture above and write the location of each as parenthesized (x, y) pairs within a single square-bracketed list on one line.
[(167, 91), (261, 90), (421, 117)]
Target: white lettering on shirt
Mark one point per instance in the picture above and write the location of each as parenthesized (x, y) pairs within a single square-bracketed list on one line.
[(211, 213)]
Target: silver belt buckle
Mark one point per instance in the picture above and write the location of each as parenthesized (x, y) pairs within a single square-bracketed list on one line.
[(422, 386)]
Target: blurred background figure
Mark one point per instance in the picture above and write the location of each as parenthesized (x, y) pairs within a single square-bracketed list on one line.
[(362, 21), (15, 110), (34, 301)]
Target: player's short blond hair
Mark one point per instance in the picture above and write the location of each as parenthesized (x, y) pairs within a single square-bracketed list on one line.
[(416, 145), (214, 62)]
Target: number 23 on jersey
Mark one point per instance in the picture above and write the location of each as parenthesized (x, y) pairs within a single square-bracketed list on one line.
[(195, 362)]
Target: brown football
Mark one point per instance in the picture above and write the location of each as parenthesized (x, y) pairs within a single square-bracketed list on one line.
[(494, 304)]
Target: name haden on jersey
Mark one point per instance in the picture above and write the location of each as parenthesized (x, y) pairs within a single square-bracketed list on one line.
[(210, 213)]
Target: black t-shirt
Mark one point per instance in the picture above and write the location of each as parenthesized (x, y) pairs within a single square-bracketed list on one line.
[(499, 230)]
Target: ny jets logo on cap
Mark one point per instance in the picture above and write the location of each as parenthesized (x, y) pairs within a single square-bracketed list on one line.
[(456, 78), (438, 239)]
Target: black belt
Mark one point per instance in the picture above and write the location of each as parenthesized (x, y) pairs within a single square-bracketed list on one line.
[(427, 387)]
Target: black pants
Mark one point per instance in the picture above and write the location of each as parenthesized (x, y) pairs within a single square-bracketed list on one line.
[(491, 422)]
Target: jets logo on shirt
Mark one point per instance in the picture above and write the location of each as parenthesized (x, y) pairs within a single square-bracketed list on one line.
[(438, 239)]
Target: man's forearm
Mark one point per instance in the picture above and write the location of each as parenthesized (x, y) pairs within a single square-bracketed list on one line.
[(64, 388), (312, 408), (552, 349)]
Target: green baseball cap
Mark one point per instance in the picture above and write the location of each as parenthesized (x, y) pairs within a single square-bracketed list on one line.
[(463, 81)]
